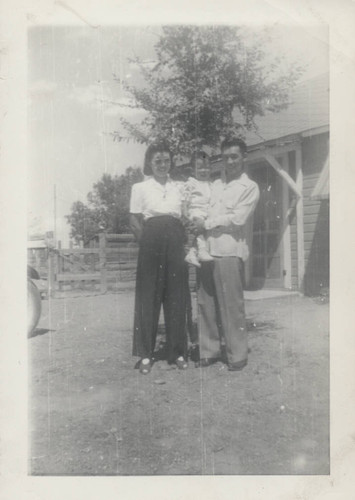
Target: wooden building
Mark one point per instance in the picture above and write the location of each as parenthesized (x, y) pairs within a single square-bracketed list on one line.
[(288, 158)]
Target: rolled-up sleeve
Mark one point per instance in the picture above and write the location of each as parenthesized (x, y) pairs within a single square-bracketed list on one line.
[(136, 202), (240, 213)]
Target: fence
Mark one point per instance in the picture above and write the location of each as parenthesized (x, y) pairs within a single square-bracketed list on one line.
[(111, 261)]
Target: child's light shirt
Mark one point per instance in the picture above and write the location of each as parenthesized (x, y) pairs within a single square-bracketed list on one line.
[(197, 196)]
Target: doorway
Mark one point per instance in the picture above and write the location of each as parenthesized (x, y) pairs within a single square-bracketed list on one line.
[(266, 258)]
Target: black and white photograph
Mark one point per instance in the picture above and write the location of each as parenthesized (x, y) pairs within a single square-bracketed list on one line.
[(182, 319), (178, 250)]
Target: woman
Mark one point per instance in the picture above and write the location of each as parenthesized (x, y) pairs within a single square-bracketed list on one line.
[(156, 210)]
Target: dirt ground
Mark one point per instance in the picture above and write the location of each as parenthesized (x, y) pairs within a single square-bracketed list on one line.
[(91, 413)]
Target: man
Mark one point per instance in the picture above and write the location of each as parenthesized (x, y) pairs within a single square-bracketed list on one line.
[(220, 291)]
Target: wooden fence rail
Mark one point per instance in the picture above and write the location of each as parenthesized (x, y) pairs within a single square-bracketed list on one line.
[(110, 261)]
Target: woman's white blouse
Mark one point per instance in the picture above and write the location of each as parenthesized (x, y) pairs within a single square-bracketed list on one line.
[(152, 199)]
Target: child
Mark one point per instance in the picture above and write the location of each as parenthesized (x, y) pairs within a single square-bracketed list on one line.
[(197, 198)]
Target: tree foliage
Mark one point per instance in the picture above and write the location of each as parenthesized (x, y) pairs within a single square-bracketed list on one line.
[(107, 208), (209, 82)]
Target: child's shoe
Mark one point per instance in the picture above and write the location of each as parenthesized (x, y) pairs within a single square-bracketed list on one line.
[(204, 256), (191, 257)]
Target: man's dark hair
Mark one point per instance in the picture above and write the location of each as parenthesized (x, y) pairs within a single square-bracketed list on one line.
[(156, 147), (234, 141)]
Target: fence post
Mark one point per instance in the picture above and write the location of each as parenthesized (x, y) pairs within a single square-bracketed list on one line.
[(51, 274), (103, 270)]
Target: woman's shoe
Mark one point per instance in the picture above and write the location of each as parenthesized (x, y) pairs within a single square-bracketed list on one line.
[(145, 366), (181, 363)]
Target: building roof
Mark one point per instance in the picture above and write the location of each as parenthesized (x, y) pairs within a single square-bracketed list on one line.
[(308, 110)]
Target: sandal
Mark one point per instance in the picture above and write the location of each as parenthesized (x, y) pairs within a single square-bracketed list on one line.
[(181, 363), (145, 366)]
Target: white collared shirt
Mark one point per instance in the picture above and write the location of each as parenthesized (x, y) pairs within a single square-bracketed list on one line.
[(153, 199), (231, 206)]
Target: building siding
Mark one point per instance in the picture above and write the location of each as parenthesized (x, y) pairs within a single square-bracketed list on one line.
[(316, 216), (293, 227)]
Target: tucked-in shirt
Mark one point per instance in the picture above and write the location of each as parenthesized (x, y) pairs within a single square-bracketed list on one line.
[(197, 195), (153, 199), (231, 206)]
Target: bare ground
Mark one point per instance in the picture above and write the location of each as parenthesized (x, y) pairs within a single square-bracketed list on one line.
[(91, 413)]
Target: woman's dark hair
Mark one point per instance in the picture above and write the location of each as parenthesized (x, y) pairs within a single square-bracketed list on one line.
[(156, 147), (196, 155), (234, 141)]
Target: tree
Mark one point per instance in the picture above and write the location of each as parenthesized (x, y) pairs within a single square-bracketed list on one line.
[(107, 209), (83, 221), (209, 82)]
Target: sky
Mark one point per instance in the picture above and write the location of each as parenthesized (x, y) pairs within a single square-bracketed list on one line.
[(73, 110)]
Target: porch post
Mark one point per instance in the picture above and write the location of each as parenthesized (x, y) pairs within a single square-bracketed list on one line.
[(300, 221), (286, 232), (276, 165)]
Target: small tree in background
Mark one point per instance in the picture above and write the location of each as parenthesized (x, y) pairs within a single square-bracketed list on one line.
[(209, 82), (107, 209), (83, 221)]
